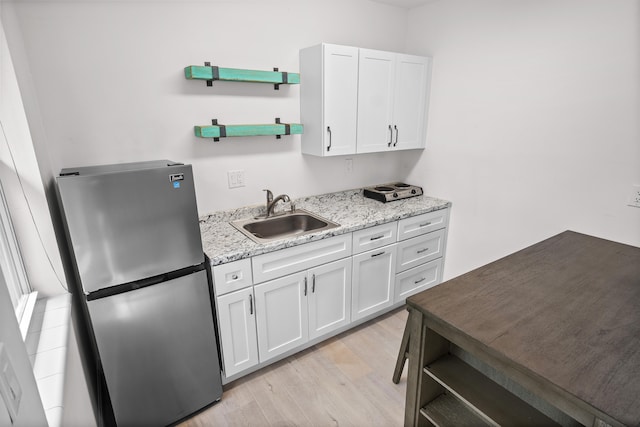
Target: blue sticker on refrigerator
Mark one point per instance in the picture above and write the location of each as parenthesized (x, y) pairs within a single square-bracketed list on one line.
[(175, 179)]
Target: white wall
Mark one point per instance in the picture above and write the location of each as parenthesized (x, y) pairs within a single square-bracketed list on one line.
[(533, 125), (110, 86), (533, 115), (22, 183)]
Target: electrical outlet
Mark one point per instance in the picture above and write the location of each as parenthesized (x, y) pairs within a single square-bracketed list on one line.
[(236, 178), (634, 198), (9, 386), (348, 165)]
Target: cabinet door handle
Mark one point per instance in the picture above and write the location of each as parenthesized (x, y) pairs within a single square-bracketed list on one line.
[(313, 284), (377, 237), (396, 128), (251, 304), (329, 130), (421, 280), (390, 136), (378, 254), (305, 286), (424, 224), (422, 250)]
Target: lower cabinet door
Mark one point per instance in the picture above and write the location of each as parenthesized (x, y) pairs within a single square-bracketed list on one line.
[(373, 281), (329, 297), (281, 314), (418, 279), (238, 338)]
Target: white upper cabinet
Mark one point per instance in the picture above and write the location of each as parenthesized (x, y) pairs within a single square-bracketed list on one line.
[(356, 100), (411, 94), (329, 99), (392, 101)]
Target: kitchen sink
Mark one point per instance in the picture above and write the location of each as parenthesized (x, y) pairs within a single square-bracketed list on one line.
[(282, 225)]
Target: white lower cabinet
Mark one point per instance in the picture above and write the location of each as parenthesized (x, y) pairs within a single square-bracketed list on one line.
[(275, 303), (281, 315), (421, 247), (373, 281), (294, 309), (329, 297), (237, 328)]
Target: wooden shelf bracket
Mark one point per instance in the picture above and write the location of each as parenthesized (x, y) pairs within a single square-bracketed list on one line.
[(211, 73)]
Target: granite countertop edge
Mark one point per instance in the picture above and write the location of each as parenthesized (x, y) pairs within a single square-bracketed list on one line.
[(223, 243)]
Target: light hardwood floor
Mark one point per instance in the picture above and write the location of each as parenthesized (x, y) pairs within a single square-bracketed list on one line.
[(344, 381)]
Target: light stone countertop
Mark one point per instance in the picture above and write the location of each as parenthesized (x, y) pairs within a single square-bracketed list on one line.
[(223, 243)]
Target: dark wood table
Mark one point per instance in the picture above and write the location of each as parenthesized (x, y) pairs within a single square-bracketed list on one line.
[(560, 318)]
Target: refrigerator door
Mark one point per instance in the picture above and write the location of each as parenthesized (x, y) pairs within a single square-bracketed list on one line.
[(129, 224), (158, 350)]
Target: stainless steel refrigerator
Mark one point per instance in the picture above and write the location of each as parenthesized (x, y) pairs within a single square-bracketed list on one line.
[(134, 241)]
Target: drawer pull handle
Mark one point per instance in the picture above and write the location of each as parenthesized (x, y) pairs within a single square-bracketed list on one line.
[(377, 237), (378, 254), (250, 304), (234, 277), (423, 250), (421, 280), (424, 224)]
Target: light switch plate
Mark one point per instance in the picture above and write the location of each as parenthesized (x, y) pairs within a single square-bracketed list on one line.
[(236, 178), (9, 385)]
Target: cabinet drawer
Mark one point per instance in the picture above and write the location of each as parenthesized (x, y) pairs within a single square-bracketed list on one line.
[(232, 276), (413, 252), (286, 261), (421, 224), (418, 279), (374, 237)]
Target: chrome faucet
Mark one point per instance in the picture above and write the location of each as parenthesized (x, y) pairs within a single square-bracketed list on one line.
[(271, 202)]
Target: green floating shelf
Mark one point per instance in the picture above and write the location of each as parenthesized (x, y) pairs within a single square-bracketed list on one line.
[(277, 129), (211, 73)]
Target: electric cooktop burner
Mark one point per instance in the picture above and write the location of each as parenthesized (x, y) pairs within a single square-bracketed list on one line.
[(394, 191)]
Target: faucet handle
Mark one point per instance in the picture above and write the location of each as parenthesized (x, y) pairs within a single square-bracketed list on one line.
[(269, 195)]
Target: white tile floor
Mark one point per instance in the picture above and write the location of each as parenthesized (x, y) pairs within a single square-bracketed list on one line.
[(46, 342)]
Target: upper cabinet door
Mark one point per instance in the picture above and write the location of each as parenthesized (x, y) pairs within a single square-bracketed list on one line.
[(376, 81), (412, 77), (341, 99), (329, 99)]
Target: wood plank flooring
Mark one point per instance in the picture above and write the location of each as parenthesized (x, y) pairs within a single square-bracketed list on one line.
[(344, 381)]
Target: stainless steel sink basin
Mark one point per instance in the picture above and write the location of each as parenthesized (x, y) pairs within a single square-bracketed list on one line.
[(283, 225)]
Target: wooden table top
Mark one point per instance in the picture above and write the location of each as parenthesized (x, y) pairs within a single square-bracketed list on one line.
[(566, 309)]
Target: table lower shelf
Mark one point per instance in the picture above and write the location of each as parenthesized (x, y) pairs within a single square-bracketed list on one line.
[(447, 410), (470, 398)]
